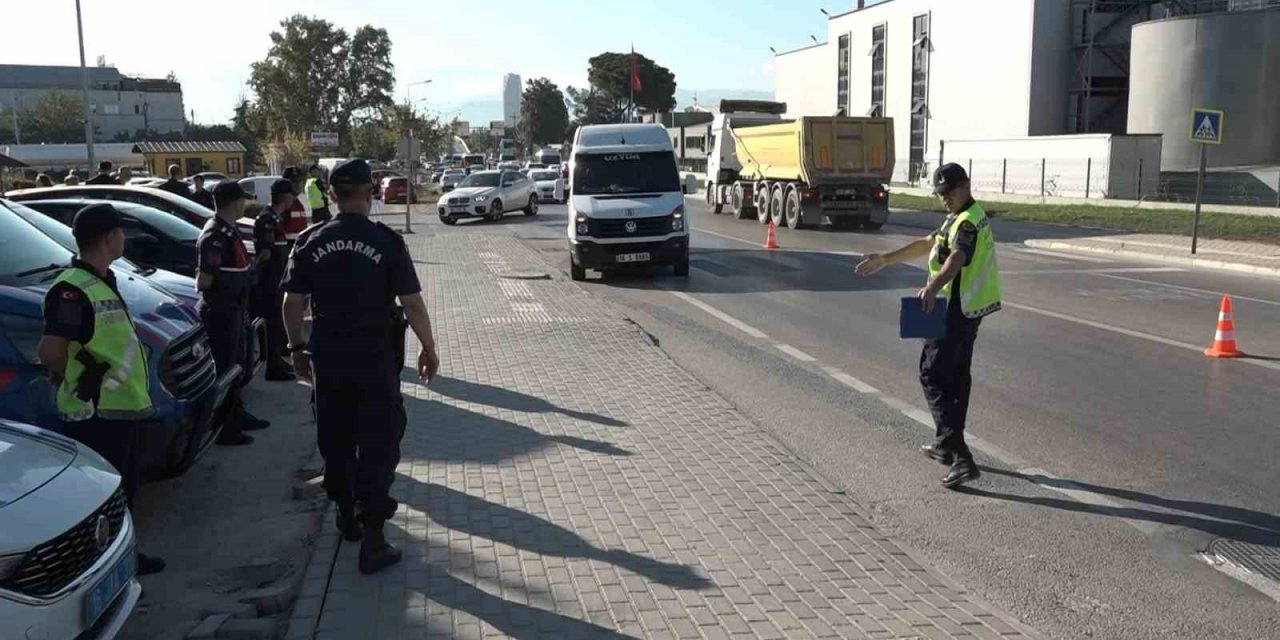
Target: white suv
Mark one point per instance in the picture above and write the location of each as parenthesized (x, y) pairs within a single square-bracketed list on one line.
[(67, 559)]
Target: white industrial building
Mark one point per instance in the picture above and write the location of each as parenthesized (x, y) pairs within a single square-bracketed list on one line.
[(120, 103), (993, 70)]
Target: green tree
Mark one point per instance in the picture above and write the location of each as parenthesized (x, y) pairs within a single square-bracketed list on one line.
[(610, 75), (544, 117), (591, 106), (56, 117), (317, 77)]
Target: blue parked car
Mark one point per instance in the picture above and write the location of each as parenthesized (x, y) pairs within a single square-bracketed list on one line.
[(185, 386)]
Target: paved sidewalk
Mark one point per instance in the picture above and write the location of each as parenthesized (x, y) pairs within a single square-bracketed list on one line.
[(565, 479), (1248, 257)]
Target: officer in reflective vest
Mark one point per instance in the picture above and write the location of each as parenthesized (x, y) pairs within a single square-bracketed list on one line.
[(91, 350), (962, 270), (318, 197)]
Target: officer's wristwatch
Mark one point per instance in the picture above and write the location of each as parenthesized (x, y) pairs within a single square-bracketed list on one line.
[(296, 348)]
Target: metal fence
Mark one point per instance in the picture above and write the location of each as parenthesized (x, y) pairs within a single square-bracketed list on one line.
[(1097, 178)]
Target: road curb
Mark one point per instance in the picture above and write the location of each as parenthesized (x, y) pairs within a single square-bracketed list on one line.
[(1159, 257)]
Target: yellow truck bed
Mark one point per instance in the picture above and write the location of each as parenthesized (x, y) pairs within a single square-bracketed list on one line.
[(818, 151)]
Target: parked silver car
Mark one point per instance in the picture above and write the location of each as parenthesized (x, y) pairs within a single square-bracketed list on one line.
[(489, 194), (67, 559), (450, 179)]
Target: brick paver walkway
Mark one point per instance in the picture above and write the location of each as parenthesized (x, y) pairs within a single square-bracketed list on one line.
[(1256, 257), (565, 479)]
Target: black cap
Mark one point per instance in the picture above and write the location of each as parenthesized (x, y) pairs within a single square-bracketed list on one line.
[(281, 187), (95, 221), (948, 177), (351, 173), (228, 191)]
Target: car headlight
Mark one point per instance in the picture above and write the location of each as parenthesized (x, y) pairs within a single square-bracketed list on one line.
[(8, 565), (481, 198), (677, 219)]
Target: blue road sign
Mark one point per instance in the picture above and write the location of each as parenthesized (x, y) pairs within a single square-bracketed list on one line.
[(1206, 126)]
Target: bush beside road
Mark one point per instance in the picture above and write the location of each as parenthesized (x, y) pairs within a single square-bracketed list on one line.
[(1223, 226)]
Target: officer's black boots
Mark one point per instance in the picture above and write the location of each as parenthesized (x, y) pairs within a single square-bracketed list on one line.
[(250, 423), (348, 526), (938, 453), (375, 553), (233, 438), (961, 472)]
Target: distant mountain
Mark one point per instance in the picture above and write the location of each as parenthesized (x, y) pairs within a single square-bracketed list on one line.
[(480, 111)]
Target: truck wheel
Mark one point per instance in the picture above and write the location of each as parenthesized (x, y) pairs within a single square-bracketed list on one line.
[(871, 226), (736, 205), (791, 209), (712, 199), (762, 202), (495, 211), (777, 200), (578, 274), (682, 267)]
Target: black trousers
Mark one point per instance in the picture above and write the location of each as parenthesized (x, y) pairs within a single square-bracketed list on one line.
[(267, 302), (946, 379), (320, 214), (114, 440), (360, 420), (225, 328)]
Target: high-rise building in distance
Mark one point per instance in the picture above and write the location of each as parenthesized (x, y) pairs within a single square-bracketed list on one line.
[(511, 92)]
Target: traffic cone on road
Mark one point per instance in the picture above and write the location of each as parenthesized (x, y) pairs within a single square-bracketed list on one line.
[(771, 241), (1224, 340)]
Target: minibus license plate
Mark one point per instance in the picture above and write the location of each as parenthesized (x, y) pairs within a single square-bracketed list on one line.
[(633, 257)]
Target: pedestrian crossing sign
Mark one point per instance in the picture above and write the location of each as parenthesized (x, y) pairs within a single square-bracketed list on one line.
[(1206, 126)]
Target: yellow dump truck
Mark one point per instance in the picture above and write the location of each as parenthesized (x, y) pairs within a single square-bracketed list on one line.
[(804, 172)]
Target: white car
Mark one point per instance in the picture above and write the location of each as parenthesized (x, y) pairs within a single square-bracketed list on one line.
[(259, 187), (450, 179), (488, 194), (67, 559), (548, 184)]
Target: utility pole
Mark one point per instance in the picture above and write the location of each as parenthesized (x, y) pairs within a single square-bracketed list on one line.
[(17, 128), (84, 91)]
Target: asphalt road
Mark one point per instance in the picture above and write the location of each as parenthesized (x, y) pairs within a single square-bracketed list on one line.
[(1114, 451)]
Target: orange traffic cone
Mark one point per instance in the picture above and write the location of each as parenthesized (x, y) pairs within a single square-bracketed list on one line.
[(1224, 340), (771, 241)]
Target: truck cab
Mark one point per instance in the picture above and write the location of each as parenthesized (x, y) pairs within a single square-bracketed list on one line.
[(626, 200)]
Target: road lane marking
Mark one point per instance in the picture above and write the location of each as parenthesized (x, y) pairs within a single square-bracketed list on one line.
[(722, 316), (849, 381), (795, 353), (911, 411), (1028, 272), (1266, 364), (1064, 256), (1216, 294)]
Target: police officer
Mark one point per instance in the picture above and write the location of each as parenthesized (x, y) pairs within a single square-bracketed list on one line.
[(271, 244), (962, 269), (91, 349), (351, 270), (223, 282), (318, 196)]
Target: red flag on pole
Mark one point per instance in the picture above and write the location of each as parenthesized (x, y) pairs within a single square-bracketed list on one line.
[(635, 73)]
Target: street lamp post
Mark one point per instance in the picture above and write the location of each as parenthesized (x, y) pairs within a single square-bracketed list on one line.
[(409, 155), (84, 90)]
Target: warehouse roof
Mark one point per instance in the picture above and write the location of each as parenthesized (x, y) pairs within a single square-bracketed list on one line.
[(189, 146)]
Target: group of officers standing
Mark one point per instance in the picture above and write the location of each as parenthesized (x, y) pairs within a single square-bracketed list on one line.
[(347, 270)]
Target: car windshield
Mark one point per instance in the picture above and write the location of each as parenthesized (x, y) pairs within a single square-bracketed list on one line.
[(59, 232), (480, 180), (24, 249), (649, 172), (550, 160), (543, 175), (168, 224)]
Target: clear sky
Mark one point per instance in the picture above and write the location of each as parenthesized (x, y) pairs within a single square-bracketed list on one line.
[(465, 47)]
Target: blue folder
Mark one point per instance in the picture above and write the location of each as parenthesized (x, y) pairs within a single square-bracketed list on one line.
[(913, 322)]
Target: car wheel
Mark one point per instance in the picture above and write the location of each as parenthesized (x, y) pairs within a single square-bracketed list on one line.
[(495, 211), (449, 220), (532, 208), (577, 273)]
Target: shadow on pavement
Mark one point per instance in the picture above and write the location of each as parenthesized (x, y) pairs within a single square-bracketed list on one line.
[(752, 271), (501, 398), (1215, 519), (437, 431), (463, 512)]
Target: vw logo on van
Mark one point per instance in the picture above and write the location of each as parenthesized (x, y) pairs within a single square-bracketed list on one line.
[(631, 226)]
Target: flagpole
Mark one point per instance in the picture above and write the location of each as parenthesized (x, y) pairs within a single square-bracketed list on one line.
[(631, 83)]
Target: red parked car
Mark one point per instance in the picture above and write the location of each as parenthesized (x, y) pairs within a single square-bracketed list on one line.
[(396, 190)]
